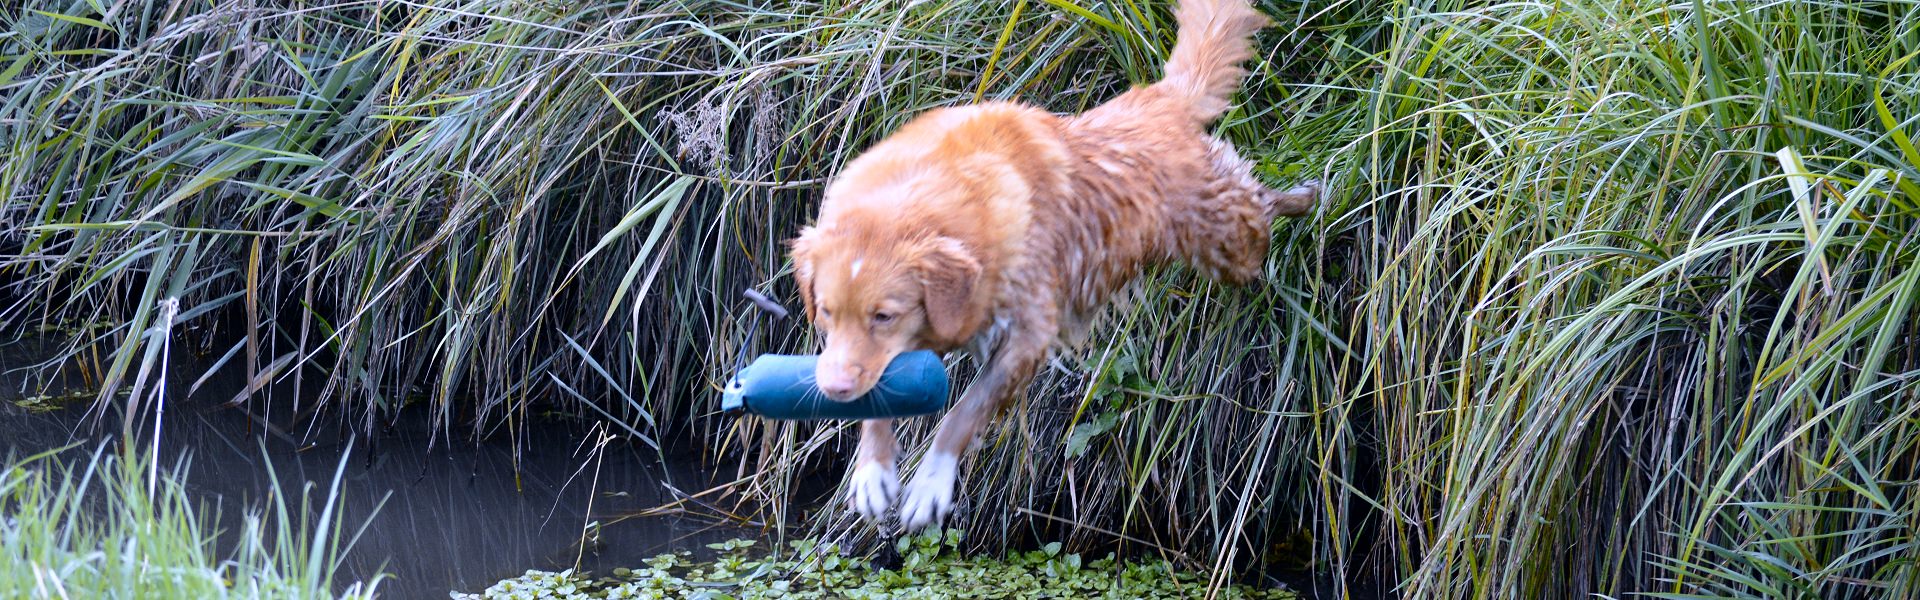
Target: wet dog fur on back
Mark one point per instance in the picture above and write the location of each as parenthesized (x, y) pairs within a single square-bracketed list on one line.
[(997, 227)]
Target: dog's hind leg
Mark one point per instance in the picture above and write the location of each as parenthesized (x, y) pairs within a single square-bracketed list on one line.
[(1224, 232)]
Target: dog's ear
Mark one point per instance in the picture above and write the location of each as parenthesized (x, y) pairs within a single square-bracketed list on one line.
[(802, 252), (950, 279)]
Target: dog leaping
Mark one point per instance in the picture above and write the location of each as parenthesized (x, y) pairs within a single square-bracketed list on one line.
[(998, 227)]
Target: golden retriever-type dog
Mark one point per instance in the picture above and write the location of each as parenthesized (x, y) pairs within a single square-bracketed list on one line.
[(998, 227)]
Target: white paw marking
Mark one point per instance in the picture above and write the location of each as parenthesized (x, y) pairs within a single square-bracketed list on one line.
[(930, 496), (871, 489)]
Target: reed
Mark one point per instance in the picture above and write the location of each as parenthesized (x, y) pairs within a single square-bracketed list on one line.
[(115, 525), (1611, 297)]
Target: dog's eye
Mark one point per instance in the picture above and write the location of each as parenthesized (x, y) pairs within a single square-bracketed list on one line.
[(882, 318)]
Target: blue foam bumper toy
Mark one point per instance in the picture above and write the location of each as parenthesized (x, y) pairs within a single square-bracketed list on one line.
[(780, 386)]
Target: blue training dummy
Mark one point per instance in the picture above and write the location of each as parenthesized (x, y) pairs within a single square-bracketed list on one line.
[(780, 386)]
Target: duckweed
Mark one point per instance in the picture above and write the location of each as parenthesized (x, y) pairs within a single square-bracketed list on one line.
[(930, 567)]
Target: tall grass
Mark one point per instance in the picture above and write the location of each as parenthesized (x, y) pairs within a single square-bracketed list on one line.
[(1638, 301), (1611, 297), (105, 525)]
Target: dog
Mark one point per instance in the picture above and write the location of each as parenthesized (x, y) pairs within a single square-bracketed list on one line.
[(999, 228)]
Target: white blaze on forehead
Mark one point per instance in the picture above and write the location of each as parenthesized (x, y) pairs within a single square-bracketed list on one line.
[(856, 267)]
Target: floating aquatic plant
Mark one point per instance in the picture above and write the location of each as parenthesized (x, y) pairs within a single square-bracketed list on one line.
[(930, 567)]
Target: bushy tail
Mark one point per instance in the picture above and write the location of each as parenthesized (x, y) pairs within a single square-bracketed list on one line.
[(1215, 37)]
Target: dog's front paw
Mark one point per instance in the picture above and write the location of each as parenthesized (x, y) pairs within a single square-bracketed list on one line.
[(930, 495), (871, 489)]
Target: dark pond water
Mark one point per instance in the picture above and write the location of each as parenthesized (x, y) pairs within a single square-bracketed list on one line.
[(456, 516)]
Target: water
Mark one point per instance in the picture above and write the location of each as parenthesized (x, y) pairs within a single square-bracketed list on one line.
[(456, 516)]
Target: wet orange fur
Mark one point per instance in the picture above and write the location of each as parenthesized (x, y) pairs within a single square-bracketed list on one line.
[(998, 226)]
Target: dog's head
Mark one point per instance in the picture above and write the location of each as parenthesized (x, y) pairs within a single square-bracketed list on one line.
[(877, 293)]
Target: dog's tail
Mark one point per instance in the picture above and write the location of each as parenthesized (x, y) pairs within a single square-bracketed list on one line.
[(1215, 37)]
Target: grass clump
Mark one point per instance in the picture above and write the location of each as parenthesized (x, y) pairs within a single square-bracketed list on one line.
[(1611, 297), (931, 568), (118, 526)]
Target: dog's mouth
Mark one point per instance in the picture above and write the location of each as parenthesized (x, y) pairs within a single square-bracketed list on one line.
[(847, 395), (842, 397), (841, 386)]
